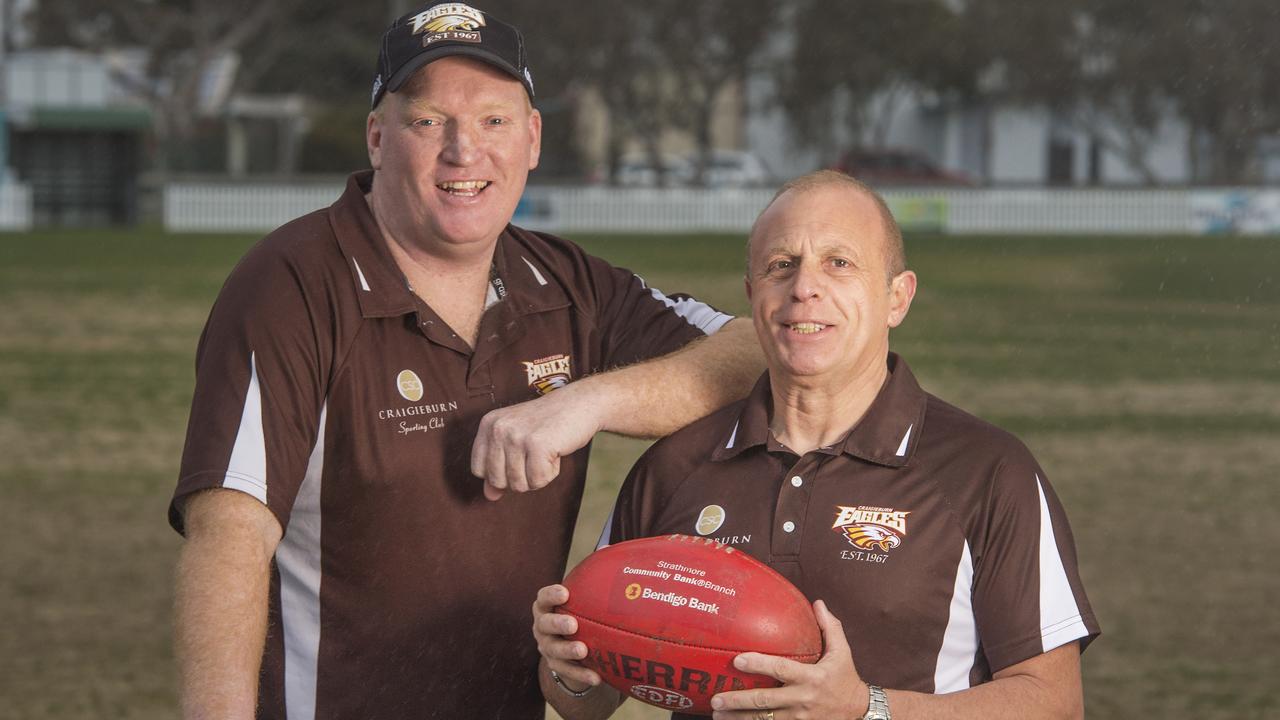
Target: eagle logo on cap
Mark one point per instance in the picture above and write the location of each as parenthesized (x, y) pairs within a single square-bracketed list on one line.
[(450, 16)]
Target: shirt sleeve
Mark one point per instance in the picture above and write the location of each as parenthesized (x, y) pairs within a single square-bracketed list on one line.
[(638, 322), (1028, 598), (259, 391)]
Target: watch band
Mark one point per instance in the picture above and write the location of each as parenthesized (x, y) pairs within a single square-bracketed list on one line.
[(877, 704), (576, 693)]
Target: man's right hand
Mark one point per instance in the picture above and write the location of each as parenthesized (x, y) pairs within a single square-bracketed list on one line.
[(551, 629)]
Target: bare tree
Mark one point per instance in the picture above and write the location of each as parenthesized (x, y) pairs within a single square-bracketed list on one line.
[(618, 50), (182, 38), (1217, 63), (844, 55), (711, 48)]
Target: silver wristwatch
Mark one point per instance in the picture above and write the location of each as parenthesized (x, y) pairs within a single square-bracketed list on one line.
[(878, 704)]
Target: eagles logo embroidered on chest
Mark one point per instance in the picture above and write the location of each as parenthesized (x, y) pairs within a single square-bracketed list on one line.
[(871, 528), (548, 373)]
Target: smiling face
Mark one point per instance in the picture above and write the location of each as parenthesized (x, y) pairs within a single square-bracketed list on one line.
[(452, 150), (821, 297)]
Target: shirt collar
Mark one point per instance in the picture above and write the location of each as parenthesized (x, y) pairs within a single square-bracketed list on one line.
[(525, 271), (886, 435), (380, 286)]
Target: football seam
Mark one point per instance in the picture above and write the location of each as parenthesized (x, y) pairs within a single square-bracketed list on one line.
[(691, 645)]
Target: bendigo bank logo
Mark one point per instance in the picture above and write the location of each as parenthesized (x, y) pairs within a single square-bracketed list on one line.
[(871, 528), (548, 373)]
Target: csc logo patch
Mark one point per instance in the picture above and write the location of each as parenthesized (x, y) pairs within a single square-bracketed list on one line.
[(409, 385)]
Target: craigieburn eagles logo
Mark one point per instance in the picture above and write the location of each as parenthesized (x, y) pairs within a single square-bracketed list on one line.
[(548, 373), (450, 21), (871, 528)]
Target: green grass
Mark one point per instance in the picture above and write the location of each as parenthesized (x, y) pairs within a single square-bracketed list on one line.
[(1143, 372)]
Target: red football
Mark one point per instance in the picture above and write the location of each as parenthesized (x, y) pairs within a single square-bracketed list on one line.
[(663, 618)]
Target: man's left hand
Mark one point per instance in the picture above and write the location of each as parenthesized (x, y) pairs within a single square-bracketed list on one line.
[(829, 690), (519, 447)]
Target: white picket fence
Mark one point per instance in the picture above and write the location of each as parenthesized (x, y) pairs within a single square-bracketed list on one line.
[(214, 207), (241, 207), (15, 206)]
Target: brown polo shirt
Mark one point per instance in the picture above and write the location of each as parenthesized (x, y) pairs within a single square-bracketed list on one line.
[(932, 535), (331, 393)]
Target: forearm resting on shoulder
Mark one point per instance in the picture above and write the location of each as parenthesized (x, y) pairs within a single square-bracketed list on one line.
[(658, 397), (220, 613), (1045, 686)]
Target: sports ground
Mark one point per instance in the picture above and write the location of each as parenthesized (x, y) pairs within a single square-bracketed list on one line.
[(1143, 372)]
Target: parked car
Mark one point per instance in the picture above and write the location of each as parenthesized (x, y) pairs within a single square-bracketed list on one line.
[(638, 171), (891, 166), (736, 169), (727, 169)]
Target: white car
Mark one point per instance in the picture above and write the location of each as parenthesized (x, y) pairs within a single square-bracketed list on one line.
[(737, 169), (637, 171)]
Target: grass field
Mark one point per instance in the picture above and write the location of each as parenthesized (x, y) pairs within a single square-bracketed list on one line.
[(1143, 372)]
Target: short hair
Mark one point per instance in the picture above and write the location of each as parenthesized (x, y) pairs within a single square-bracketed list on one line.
[(895, 252)]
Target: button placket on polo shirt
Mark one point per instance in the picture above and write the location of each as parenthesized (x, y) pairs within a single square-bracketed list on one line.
[(792, 506)]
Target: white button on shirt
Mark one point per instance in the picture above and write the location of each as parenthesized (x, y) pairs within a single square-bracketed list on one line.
[(788, 526), (797, 481)]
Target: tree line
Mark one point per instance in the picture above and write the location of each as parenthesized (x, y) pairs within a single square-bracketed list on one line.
[(1113, 68)]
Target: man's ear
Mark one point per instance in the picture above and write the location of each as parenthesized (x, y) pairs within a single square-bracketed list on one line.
[(373, 138), (902, 290), (535, 138)]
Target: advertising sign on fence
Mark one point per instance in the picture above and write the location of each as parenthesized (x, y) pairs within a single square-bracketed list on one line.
[(1236, 212), (915, 214)]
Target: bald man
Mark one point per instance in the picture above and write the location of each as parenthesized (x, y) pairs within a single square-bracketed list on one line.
[(932, 546)]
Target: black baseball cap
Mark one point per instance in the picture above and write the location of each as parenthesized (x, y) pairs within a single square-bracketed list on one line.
[(441, 29)]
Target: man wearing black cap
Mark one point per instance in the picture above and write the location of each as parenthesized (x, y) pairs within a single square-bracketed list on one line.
[(367, 364)]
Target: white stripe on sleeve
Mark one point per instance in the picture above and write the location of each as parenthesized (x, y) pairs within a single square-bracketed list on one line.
[(696, 313), (1060, 620), (298, 560), (960, 640), (603, 541), (247, 469)]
